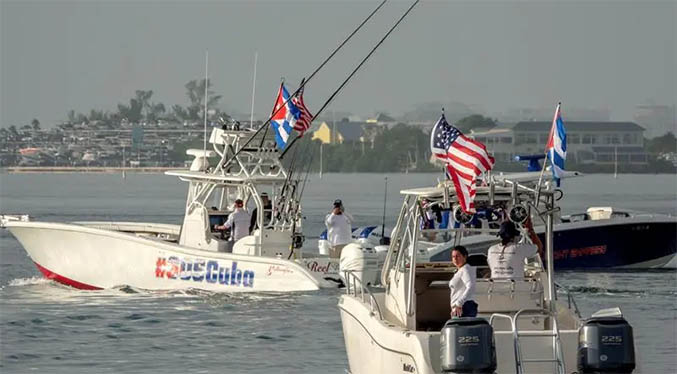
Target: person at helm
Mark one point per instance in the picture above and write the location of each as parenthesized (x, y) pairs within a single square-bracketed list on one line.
[(238, 221), (506, 259)]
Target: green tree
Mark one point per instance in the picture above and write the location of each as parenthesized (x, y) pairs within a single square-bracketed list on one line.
[(662, 144), (35, 124), (195, 90), (179, 113), (475, 122), (13, 132)]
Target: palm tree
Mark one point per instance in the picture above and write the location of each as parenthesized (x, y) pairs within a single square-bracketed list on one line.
[(35, 124)]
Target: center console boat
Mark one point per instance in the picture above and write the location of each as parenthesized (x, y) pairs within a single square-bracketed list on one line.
[(152, 256), (524, 326)]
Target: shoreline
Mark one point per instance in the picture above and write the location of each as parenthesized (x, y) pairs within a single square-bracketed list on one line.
[(81, 169)]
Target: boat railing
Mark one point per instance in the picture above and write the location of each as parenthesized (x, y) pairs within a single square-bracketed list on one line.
[(557, 358), (571, 301), (355, 288)]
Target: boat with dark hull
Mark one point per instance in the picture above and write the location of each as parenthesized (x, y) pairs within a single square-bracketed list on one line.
[(616, 240), (601, 238)]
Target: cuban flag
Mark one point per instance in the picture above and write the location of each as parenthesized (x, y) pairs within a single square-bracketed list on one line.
[(465, 160), (556, 148), (284, 117)]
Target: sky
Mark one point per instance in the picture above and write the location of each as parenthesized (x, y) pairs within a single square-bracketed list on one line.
[(492, 55)]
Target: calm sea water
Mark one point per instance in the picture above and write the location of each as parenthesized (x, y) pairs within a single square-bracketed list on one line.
[(51, 328)]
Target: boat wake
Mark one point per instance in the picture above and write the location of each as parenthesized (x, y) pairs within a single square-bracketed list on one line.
[(616, 291), (28, 281)]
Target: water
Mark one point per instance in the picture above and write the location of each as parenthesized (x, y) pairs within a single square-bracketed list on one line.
[(51, 328)]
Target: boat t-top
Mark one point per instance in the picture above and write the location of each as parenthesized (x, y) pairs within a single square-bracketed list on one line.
[(523, 325), (195, 254)]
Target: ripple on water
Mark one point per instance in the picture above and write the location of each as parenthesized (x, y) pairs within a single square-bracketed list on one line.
[(135, 316), (83, 317)]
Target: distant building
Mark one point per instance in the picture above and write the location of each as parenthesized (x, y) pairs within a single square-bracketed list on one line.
[(587, 142), (383, 119), (345, 131)]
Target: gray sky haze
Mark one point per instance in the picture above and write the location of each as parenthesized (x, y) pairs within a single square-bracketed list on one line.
[(493, 55)]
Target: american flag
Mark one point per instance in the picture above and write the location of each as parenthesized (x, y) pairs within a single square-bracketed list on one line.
[(303, 122), (465, 159)]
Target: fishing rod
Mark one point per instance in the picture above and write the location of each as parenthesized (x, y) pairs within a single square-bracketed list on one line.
[(275, 111), (331, 98)]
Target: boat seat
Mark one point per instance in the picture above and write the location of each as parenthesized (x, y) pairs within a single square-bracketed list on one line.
[(492, 296), (508, 296)]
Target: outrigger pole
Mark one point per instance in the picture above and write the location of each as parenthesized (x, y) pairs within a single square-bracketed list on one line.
[(204, 148), (265, 124), (331, 98)]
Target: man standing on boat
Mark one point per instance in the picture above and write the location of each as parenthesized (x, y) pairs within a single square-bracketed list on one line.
[(238, 222), (506, 259), (267, 213), (338, 229)]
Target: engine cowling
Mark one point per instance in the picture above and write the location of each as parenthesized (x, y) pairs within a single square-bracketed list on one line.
[(467, 345), (606, 345), (361, 261)]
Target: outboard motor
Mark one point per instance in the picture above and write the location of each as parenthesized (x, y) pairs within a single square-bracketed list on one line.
[(361, 261), (606, 345), (467, 346)]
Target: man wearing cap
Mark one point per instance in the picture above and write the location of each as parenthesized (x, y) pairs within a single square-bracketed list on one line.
[(238, 222), (506, 259), (267, 213), (338, 229)]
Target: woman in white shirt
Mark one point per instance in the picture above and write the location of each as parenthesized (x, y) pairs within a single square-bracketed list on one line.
[(462, 285)]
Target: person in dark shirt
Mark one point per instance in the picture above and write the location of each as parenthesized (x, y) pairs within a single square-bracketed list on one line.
[(267, 213)]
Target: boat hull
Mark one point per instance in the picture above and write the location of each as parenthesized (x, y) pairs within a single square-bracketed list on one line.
[(93, 258), (373, 346), (633, 243)]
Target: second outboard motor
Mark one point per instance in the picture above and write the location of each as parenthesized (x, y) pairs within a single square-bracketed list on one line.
[(467, 346), (606, 345)]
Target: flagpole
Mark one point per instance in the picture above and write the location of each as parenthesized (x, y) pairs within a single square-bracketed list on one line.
[(545, 161)]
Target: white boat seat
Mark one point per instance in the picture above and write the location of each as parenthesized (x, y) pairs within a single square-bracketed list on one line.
[(492, 296), (508, 296)]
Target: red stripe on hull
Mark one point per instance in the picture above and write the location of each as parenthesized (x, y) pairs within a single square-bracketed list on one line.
[(67, 281)]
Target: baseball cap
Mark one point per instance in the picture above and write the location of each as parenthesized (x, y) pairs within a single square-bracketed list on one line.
[(338, 202)]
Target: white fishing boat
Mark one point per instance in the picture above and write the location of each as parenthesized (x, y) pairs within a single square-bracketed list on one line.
[(152, 256), (525, 326)]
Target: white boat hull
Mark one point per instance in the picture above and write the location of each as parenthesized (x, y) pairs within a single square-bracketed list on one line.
[(95, 258), (375, 346)]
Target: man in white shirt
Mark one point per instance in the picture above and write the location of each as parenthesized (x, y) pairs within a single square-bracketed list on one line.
[(339, 231), (506, 259), (238, 222)]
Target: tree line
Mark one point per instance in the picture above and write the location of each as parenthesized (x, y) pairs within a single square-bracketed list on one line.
[(142, 108)]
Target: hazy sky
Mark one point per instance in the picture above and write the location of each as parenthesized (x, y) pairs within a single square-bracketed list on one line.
[(494, 55)]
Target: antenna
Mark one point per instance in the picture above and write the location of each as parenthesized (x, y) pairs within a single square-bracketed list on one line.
[(204, 148), (383, 223), (251, 117)]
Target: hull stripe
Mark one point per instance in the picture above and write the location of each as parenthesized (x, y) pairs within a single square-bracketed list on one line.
[(67, 281)]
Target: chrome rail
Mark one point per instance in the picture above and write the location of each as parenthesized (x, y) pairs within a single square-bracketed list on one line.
[(355, 287), (558, 356)]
